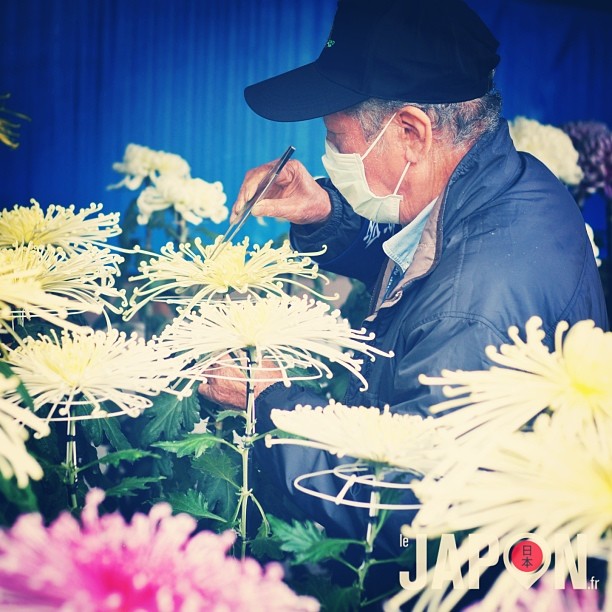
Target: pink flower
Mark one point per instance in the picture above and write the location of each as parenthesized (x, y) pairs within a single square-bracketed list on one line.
[(544, 597), (151, 564)]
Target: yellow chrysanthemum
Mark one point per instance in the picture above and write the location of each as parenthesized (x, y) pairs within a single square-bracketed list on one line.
[(288, 331), (574, 382), (58, 226), (84, 279), (8, 129), (194, 271), (22, 294), (548, 482), (109, 371), (408, 442), (14, 457)]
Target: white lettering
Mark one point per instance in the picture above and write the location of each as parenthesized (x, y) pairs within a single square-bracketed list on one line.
[(570, 560), (421, 567), (447, 566), (477, 564)]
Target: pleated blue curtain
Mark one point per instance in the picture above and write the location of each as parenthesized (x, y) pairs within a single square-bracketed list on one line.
[(95, 75)]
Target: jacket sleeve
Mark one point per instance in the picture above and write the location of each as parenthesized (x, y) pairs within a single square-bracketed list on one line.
[(353, 243)]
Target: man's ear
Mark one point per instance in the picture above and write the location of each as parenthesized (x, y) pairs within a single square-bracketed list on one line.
[(416, 133)]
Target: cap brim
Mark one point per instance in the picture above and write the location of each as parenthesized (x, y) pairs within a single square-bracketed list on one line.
[(300, 94)]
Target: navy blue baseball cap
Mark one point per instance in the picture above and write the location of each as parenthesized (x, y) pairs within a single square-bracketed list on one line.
[(422, 51)]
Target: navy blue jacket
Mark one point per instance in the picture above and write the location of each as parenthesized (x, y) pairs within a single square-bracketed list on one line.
[(504, 242)]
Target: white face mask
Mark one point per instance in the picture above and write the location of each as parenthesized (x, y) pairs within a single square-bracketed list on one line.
[(347, 173)]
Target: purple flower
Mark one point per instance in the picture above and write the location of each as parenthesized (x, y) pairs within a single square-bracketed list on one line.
[(151, 564), (593, 141)]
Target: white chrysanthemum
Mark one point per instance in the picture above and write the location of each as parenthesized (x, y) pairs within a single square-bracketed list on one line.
[(22, 293), (405, 441), (86, 277), (192, 198), (291, 332), (548, 482), (551, 145), (591, 235), (113, 373), (14, 457), (191, 276), (141, 162), (59, 226), (574, 382)]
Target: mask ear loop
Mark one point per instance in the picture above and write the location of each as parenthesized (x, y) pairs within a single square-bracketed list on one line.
[(401, 178), (378, 137)]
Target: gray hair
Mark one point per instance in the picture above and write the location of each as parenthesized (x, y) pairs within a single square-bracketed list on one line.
[(458, 123)]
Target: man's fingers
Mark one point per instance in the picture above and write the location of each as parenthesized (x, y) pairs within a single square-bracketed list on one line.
[(296, 210), (290, 172), (281, 208)]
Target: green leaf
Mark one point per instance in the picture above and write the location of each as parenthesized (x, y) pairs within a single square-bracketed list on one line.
[(219, 478), (7, 372), (130, 455), (193, 503), (224, 414), (130, 484), (170, 417), (279, 433), (23, 500), (92, 428), (218, 465), (113, 433), (305, 376), (306, 542), (193, 444), (96, 430), (333, 598), (264, 546), (341, 599)]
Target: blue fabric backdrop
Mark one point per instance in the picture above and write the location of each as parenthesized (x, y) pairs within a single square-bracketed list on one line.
[(95, 75)]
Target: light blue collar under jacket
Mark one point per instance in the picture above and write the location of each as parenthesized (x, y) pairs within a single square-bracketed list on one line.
[(401, 247)]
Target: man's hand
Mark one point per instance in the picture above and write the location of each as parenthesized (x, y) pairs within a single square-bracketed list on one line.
[(294, 196), (227, 385)]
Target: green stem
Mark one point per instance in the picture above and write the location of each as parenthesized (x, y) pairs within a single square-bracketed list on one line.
[(250, 397), (244, 499), (265, 521), (10, 329), (182, 227), (347, 564), (148, 237), (371, 533), (147, 311), (245, 451), (71, 462), (387, 595)]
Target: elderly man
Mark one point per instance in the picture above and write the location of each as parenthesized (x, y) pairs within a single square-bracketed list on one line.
[(457, 234)]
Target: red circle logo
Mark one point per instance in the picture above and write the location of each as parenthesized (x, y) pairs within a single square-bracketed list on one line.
[(526, 556)]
